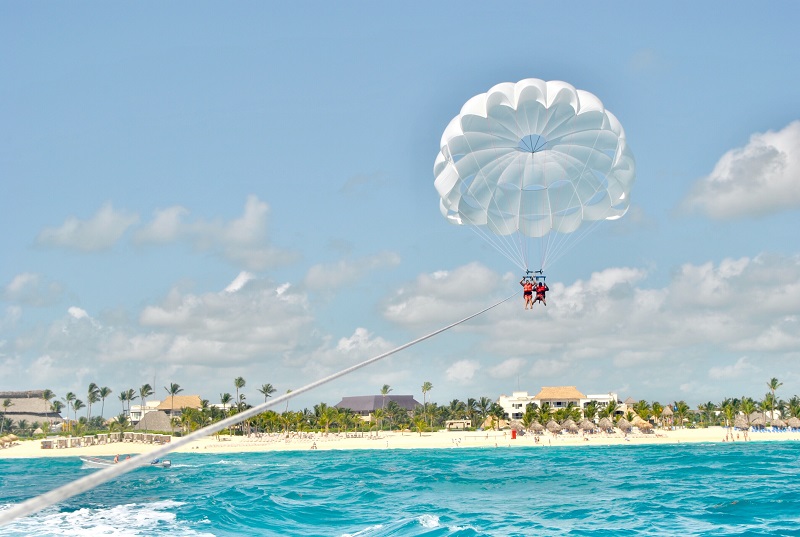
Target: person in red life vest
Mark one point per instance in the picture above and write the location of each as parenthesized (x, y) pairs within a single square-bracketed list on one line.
[(541, 289), (527, 292)]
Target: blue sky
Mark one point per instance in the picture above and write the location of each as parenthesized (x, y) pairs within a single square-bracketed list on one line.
[(194, 192)]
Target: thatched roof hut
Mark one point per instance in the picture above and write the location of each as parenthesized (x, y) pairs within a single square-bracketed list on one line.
[(793, 422), (587, 425), (624, 425), (154, 421), (740, 422), (537, 427), (605, 423), (667, 411), (552, 426), (778, 423)]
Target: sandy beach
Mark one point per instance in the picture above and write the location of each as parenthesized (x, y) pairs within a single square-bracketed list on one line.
[(398, 440)]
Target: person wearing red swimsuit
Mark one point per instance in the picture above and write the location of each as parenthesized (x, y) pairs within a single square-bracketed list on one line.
[(541, 289), (527, 292)]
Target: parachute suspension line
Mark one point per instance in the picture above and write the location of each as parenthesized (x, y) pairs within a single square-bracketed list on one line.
[(502, 243), (559, 245), (91, 481)]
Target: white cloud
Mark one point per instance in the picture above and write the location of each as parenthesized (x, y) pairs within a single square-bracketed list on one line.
[(98, 233), (444, 295), (507, 368), (741, 369), (243, 241), (462, 371), (346, 272), (760, 178), (30, 289), (167, 226)]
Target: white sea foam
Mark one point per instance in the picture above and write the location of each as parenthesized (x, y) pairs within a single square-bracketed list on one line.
[(366, 531), (130, 520), (429, 521)]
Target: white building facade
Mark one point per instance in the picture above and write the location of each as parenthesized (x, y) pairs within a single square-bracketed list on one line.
[(558, 397)]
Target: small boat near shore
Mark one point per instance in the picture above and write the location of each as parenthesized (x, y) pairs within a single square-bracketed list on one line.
[(99, 462)]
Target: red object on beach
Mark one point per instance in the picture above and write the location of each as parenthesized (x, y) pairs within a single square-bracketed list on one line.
[(513, 434)]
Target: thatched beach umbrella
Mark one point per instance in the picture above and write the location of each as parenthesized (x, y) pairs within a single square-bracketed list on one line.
[(667, 411), (645, 426), (758, 421), (587, 425), (779, 423), (740, 422), (569, 425), (605, 424), (552, 426), (793, 422), (624, 425), (537, 427)]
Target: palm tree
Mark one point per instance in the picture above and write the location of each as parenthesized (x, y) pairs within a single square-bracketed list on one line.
[(773, 385), (47, 395), (69, 398), (77, 404), (384, 392), (225, 399), (104, 392), (131, 397), (426, 387), (91, 397), (498, 413), (266, 390), (419, 423), (657, 408), (681, 411), (484, 406), (123, 396), (57, 407), (6, 403), (239, 383), (173, 390), (145, 391)]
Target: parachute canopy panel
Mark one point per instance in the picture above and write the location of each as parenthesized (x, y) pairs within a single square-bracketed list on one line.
[(532, 158)]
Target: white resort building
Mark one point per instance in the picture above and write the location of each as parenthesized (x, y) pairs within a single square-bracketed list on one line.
[(558, 397)]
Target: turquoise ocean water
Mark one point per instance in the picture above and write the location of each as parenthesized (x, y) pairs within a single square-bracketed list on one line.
[(687, 489)]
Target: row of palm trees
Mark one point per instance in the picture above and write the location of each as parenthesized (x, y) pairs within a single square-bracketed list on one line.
[(429, 415)]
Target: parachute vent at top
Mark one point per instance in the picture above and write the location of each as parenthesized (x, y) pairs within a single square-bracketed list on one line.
[(533, 158)]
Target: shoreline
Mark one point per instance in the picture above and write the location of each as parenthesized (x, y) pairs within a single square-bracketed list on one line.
[(397, 440)]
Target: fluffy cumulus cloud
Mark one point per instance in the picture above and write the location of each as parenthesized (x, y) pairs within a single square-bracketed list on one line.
[(441, 295), (98, 233), (243, 241), (32, 290), (347, 272), (614, 330), (763, 177)]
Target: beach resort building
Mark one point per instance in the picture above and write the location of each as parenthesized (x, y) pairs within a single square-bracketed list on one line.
[(173, 406), (28, 407), (138, 412), (557, 396), (366, 405)]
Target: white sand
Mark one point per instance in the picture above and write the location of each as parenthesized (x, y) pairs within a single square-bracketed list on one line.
[(396, 440)]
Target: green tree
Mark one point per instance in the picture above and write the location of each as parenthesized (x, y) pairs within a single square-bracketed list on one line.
[(6, 405), (47, 396), (426, 387), (498, 413), (266, 390), (681, 411), (105, 391), (419, 423), (68, 399), (77, 404), (92, 396), (385, 390), (773, 386), (172, 390)]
